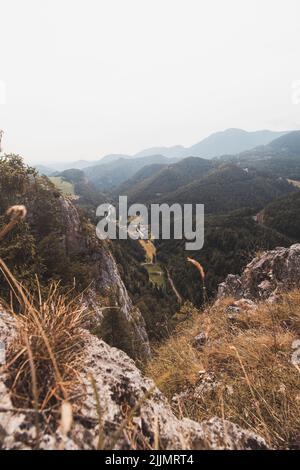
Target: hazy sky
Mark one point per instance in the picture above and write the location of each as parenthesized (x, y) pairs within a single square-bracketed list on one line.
[(85, 78)]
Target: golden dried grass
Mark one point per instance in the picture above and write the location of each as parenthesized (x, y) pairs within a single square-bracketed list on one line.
[(198, 266), (43, 360), (249, 354)]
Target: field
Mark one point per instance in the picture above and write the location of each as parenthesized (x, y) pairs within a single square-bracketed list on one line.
[(156, 274), (65, 187)]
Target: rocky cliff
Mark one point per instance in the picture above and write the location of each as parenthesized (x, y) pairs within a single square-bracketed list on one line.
[(111, 306), (268, 275)]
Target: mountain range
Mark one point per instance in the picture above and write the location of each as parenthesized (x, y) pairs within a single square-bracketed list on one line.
[(229, 141), (234, 188)]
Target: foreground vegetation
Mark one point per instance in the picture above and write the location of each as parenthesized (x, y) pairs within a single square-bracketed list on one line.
[(38, 248), (244, 372)]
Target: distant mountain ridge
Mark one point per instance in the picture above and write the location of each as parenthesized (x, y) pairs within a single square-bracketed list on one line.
[(158, 174), (176, 151), (230, 141), (287, 143), (281, 157)]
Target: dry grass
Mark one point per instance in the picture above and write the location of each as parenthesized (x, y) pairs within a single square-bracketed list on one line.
[(249, 355), (43, 360), (198, 266), (150, 250)]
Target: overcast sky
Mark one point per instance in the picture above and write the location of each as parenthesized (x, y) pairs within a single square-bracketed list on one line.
[(85, 78)]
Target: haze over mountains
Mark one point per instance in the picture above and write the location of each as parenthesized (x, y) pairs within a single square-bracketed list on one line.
[(230, 141), (280, 157), (157, 178)]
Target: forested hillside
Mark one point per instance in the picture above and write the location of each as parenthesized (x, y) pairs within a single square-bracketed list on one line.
[(283, 215), (107, 176), (146, 188), (230, 242), (230, 188), (279, 158)]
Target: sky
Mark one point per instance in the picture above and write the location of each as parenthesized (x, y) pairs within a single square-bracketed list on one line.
[(80, 79)]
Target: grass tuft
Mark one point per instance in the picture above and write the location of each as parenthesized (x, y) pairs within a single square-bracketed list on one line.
[(43, 360)]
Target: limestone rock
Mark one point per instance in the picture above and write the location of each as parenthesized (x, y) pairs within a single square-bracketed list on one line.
[(200, 340), (131, 408), (266, 276)]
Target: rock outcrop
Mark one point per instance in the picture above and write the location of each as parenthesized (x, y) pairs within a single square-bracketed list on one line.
[(132, 413), (266, 276), (119, 312)]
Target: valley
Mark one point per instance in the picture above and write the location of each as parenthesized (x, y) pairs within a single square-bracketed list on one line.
[(233, 189), (156, 274), (155, 271), (145, 300)]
